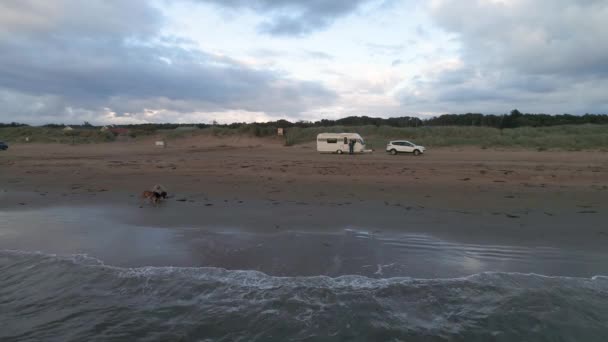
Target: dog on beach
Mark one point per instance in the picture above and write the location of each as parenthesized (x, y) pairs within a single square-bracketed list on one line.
[(152, 196), (157, 194), (160, 190)]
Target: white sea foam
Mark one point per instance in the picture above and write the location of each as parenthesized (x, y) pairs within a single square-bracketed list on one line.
[(260, 280)]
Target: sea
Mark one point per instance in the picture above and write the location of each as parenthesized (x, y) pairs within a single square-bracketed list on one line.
[(79, 278)]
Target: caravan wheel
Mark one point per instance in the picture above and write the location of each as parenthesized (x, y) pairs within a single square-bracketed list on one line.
[(339, 151)]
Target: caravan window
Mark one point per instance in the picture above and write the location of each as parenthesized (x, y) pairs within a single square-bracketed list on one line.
[(332, 140), (345, 141)]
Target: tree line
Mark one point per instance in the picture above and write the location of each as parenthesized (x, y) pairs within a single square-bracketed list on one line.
[(512, 120)]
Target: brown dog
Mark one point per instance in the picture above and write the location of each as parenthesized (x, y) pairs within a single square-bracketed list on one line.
[(152, 196)]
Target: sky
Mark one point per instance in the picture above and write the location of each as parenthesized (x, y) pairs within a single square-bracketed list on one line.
[(198, 61)]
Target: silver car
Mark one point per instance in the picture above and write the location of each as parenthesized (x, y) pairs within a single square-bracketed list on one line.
[(404, 146)]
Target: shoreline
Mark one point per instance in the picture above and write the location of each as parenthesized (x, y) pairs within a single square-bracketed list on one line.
[(573, 227), (295, 239)]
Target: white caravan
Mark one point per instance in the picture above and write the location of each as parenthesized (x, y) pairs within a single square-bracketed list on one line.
[(338, 143)]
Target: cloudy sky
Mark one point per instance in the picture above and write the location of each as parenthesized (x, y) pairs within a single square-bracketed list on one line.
[(130, 61)]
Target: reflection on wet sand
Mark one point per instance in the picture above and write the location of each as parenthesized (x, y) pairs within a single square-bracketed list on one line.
[(340, 251)]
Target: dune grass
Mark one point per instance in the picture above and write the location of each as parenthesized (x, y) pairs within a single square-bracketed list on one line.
[(53, 135), (219, 131), (569, 137)]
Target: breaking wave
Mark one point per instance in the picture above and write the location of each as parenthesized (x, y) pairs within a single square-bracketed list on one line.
[(76, 297)]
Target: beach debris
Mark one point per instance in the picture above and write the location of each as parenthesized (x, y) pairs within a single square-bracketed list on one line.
[(466, 179)]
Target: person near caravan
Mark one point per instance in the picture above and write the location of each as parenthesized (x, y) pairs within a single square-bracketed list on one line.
[(351, 146)]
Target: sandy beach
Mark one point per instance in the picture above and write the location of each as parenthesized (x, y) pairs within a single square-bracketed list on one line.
[(471, 194)]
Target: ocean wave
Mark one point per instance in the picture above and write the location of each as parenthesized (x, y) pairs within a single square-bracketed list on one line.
[(244, 275), (77, 297)]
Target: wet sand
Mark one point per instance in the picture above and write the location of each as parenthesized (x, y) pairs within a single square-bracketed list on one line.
[(119, 238)]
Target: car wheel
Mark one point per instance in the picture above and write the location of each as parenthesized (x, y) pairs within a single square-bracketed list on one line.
[(339, 151), (393, 151), (416, 152)]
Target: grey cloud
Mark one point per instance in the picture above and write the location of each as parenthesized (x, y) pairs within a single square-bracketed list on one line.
[(67, 72), (422, 32), (319, 55), (459, 76), (541, 55), (294, 17), (88, 18), (290, 26), (470, 93), (537, 37)]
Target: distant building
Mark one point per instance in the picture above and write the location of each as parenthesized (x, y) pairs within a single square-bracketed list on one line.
[(68, 128), (104, 128), (280, 131)]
